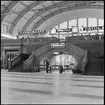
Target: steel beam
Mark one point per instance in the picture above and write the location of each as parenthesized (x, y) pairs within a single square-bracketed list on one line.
[(65, 10)]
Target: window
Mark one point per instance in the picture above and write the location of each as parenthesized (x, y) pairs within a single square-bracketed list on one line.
[(101, 23), (53, 30), (63, 25), (4, 28), (92, 22), (81, 24), (72, 23)]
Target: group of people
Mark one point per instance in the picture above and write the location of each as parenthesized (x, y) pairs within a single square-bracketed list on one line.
[(48, 68)]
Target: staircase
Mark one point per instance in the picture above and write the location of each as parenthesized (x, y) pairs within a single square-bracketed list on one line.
[(76, 49), (42, 50), (28, 64), (17, 63)]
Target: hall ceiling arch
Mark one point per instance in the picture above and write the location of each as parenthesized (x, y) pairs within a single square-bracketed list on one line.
[(38, 23), (28, 8), (7, 9), (48, 8)]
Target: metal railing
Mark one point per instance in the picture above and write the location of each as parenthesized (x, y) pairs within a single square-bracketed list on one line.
[(15, 60), (86, 37), (75, 49), (28, 63)]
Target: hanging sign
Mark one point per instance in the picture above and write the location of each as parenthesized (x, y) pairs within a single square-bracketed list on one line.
[(32, 33), (64, 30), (75, 29), (57, 45), (93, 28)]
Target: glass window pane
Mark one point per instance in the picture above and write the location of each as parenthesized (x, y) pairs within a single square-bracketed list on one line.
[(56, 27), (92, 22), (72, 23), (53, 31), (4, 28), (63, 26), (101, 23), (82, 23)]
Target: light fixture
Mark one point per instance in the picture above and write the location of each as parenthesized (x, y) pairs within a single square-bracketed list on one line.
[(56, 53), (8, 36)]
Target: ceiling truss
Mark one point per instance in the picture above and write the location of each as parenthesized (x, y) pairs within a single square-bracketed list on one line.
[(59, 7)]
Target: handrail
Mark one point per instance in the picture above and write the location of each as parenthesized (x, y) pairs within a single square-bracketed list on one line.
[(75, 48), (16, 60), (41, 50), (86, 37), (27, 62), (15, 57)]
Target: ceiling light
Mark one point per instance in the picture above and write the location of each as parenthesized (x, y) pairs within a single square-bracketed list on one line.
[(8, 36), (56, 53)]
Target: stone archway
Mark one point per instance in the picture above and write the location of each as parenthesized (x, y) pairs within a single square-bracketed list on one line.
[(40, 60)]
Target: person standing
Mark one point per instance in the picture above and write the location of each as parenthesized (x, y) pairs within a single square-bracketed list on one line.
[(61, 69), (47, 66), (50, 68)]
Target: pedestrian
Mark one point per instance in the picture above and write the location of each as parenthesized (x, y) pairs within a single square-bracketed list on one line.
[(47, 66), (61, 69)]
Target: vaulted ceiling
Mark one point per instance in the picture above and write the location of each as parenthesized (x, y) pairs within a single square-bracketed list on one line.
[(20, 15)]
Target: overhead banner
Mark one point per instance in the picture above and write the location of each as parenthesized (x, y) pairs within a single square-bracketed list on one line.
[(30, 33), (76, 29), (93, 28), (64, 30)]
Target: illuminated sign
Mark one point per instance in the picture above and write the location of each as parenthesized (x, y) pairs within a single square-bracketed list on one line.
[(93, 28), (64, 30), (30, 33), (57, 45), (75, 29)]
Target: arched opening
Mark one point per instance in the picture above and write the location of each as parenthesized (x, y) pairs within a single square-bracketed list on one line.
[(68, 61)]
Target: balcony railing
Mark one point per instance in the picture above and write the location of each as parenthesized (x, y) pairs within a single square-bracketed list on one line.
[(42, 50), (86, 37), (75, 49)]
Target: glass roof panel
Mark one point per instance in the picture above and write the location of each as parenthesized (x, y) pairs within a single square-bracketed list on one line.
[(29, 14)]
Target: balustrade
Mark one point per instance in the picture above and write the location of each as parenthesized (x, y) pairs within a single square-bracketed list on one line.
[(15, 60), (75, 48), (41, 50), (28, 62), (86, 37)]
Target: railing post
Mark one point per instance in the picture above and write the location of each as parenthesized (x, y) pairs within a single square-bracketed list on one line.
[(21, 45)]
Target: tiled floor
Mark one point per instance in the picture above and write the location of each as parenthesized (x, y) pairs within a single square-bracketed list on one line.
[(34, 88)]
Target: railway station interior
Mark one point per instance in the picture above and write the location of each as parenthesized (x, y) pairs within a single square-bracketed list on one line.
[(52, 52)]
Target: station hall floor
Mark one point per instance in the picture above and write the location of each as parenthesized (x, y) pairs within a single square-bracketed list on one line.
[(51, 88)]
